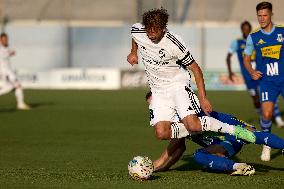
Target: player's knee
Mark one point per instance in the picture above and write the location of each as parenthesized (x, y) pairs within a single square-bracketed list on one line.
[(161, 135), (193, 125), (267, 115), (162, 131)]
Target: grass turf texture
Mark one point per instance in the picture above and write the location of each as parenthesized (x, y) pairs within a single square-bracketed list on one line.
[(84, 139)]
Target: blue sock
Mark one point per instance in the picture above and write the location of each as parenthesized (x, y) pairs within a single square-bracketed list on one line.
[(276, 111), (269, 139), (213, 162), (266, 125)]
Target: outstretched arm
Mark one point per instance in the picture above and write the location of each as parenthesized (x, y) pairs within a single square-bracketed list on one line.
[(171, 155)]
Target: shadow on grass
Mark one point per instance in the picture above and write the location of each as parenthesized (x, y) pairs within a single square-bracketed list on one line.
[(265, 168), (154, 177), (40, 104), (276, 154), (189, 165), (2, 110), (32, 105)]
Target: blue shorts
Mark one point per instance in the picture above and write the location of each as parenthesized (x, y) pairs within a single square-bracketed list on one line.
[(270, 90)]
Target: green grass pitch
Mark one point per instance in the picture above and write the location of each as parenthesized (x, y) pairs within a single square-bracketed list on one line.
[(84, 139)]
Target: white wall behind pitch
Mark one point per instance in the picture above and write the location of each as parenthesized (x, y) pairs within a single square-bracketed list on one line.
[(44, 46)]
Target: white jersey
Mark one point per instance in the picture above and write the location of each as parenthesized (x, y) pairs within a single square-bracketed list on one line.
[(165, 62), (5, 54), (6, 71)]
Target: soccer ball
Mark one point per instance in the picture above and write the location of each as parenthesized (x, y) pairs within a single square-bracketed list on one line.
[(140, 168)]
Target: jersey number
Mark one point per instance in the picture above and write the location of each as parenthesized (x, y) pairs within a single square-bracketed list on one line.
[(151, 114), (264, 96), (272, 69)]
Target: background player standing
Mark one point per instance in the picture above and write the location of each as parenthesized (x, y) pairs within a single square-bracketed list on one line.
[(10, 79), (268, 44), (238, 46)]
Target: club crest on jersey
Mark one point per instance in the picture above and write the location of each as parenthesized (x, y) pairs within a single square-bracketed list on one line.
[(162, 53), (280, 38)]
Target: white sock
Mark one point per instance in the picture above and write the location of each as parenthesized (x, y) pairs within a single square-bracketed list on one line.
[(278, 119), (212, 124), (6, 89), (19, 95), (178, 130)]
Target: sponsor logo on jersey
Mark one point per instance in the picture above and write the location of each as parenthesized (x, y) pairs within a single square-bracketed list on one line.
[(280, 38), (271, 51), (260, 42), (243, 46), (155, 62)]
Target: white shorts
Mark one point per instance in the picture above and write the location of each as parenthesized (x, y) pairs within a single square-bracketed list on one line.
[(179, 101)]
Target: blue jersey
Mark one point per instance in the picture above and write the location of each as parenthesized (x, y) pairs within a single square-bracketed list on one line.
[(269, 52)]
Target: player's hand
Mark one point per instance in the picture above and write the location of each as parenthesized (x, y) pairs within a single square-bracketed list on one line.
[(256, 75), (132, 58), (205, 105)]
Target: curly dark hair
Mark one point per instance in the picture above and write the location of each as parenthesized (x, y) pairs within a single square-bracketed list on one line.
[(157, 18)]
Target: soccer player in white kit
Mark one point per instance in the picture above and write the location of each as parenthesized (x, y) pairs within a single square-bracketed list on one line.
[(8, 75), (166, 60)]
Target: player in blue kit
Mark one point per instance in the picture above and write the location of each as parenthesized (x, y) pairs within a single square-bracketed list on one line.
[(238, 47), (267, 42), (217, 148)]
